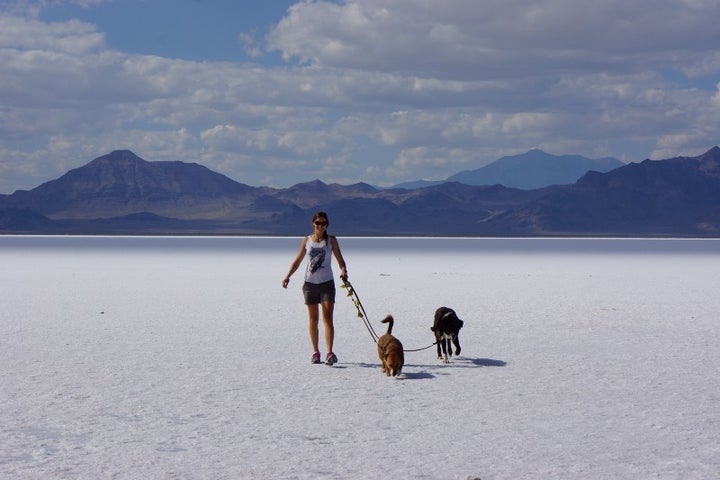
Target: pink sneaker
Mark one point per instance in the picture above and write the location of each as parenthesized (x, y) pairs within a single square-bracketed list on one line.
[(330, 359), (315, 358)]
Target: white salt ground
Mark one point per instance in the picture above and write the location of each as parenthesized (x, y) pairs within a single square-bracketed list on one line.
[(193, 363)]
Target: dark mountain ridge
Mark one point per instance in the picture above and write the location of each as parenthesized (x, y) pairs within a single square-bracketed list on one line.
[(121, 193), (121, 183), (675, 196)]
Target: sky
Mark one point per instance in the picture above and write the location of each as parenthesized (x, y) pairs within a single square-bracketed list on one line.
[(379, 91)]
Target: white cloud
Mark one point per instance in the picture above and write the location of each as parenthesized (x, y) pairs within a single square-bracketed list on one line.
[(251, 45), (32, 35), (464, 39), (399, 88)]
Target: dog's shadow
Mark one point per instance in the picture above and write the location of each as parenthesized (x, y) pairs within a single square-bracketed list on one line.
[(456, 362), (405, 375), (417, 375), (463, 362), (482, 362)]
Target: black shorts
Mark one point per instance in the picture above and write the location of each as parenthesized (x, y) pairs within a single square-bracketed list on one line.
[(315, 293)]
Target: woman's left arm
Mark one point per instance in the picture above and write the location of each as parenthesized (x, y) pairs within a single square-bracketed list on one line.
[(339, 258)]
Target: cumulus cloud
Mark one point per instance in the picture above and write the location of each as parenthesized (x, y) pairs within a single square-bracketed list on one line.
[(467, 39), (382, 91)]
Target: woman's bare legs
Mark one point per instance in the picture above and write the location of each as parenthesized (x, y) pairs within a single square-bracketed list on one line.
[(327, 310), (313, 317), (313, 326)]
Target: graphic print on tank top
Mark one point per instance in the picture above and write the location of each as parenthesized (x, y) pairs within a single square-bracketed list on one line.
[(317, 258)]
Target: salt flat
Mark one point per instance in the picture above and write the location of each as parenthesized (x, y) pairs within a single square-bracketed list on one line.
[(185, 359)]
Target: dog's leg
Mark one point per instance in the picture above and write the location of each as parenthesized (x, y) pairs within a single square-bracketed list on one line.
[(381, 356), (456, 342), (438, 342)]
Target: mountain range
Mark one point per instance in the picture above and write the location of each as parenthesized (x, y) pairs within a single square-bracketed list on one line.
[(533, 169), (120, 193)]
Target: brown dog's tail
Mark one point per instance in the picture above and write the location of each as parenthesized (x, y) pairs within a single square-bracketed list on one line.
[(390, 321)]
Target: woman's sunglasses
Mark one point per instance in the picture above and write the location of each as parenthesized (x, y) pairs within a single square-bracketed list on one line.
[(321, 224)]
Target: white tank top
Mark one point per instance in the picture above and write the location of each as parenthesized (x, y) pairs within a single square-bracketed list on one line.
[(318, 257)]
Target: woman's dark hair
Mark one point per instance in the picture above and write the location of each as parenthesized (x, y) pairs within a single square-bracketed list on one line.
[(323, 216)]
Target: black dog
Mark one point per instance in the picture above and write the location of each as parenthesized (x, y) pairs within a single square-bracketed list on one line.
[(447, 327)]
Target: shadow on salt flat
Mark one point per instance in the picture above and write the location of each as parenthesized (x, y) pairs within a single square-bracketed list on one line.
[(417, 375), (423, 374), (483, 362), (405, 375), (463, 362)]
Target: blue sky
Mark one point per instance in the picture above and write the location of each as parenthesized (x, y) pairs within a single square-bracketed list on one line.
[(199, 30), (381, 91)]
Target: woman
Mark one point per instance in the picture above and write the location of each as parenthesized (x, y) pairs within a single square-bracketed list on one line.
[(319, 286)]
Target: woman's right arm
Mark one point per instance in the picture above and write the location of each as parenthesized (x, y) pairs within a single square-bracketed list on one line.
[(296, 263)]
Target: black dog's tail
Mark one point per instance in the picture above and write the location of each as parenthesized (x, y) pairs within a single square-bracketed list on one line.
[(390, 321)]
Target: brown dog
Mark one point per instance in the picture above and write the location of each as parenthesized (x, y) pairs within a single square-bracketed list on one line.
[(390, 350)]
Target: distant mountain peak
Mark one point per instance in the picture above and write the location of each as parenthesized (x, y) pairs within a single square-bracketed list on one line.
[(123, 152), (119, 155), (121, 183), (713, 154), (535, 169), (534, 151), (710, 162), (314, 183)]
